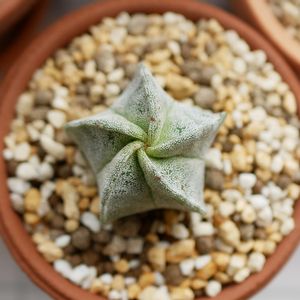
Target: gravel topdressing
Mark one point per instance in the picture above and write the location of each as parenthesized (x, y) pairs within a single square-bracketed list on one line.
[(252, 174), (288, 13)]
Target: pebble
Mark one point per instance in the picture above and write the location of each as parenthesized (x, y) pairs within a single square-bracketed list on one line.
[(204, 244), (186, 266), (213, 288), (287, 226), (17, 202), (241, 275), (214, 179), (256, 261), (203, 229), (157, 257), (18, 185), (205, 97), (63, 241), (180, 232), (50, 251), (70, 198), (22, 152), (230, 233), (202, 261), (53, 148), (81, 238), (180, 293), (90, 221), (258, 201), (180, 250), (56, 118), (27, 171), (116, 246), (62, 267), (135, 245), (247, 180), (173, 275)]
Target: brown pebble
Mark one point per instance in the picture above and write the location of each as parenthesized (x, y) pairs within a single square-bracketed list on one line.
[(70, 249), (54, 200), (128, 227), (38, 113), (108, 267), (247, 231), (81, 238), (258, 186), (57, 221), (283, 181), (228, 146), (90, 257), (173, 275), (214, 179), (260, 234), (204, 244), (101, 237), (74, 260), (64, 171), (11, 167), (43, 97)]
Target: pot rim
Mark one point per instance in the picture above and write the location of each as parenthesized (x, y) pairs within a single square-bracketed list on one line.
[(260, 15), (11, 11), (58, 35)]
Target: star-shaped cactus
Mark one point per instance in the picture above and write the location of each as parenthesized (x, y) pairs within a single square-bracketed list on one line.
[(147, 150)]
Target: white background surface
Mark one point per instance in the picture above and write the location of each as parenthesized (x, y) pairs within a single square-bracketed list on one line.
[(14, 285)]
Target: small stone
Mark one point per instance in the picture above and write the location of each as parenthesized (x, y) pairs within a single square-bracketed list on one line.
[(247, 231), (101, 237), (207, 271), (186, 266), (32, 200), (230, 233), (263, 160), (18, 185), (179, 231), (25, 104), (50, 251), (205, 97), (56, 118), (43, 97), (71, 225), (137, 24), (213, 288), (22, 152), (26, 171), (157, 258), (31, 218), (173, 275), (241, 275), (290, 103), (287, 226), (256, 261), (105, 61), (214, 179), (70, 198), (203, 229), (90, 221), (221, 259), (53, 148), (247, 180), (146, 279), (79, 274), (116, 246), (122, 266), (258, 201), (62, 267), (180, 293), (202, 261), (248, 214), (135, 246), (237, 262), (118, 283), (63, 241), (204, 244), (81, 238), (133, 291), (127, 227), (180, 250), (226, 209)]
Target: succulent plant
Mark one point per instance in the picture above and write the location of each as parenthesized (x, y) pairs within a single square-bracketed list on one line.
[(147, 150)]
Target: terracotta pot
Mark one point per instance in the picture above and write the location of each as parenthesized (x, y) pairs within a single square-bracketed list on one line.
[(20, 35), (12, 11), (259, 14), (58, 35)]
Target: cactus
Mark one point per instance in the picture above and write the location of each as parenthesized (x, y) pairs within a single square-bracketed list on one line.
[(147, 150)]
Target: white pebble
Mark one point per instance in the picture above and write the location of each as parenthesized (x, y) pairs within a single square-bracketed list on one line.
[(18, 185), (17, 202), (79, 273), (63, 241), (247, 180), (287, 226), (203, 229), (56, 118), (159, 279), (179, 231), (25, 104), (45, 171), (106, 278), (226, 209), (60, 103), (264, 217), (27, 171), (53, 148), (213, 288), (114, 295), (256, 261), (116, 75), (258, 201), (186, 266), (213, 158), (8, 154), (63, 267), (241, 275), (22, 152), (202, 261), (257, 114), (89, 220), (277, 164)]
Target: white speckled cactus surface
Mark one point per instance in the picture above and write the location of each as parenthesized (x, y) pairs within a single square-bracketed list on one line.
[(147, 150)]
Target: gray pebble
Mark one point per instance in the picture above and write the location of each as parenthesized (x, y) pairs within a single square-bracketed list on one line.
[(81, 238), (205, 97), (214, 179)]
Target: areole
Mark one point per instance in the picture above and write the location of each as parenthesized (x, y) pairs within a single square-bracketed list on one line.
[(58, 35)]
